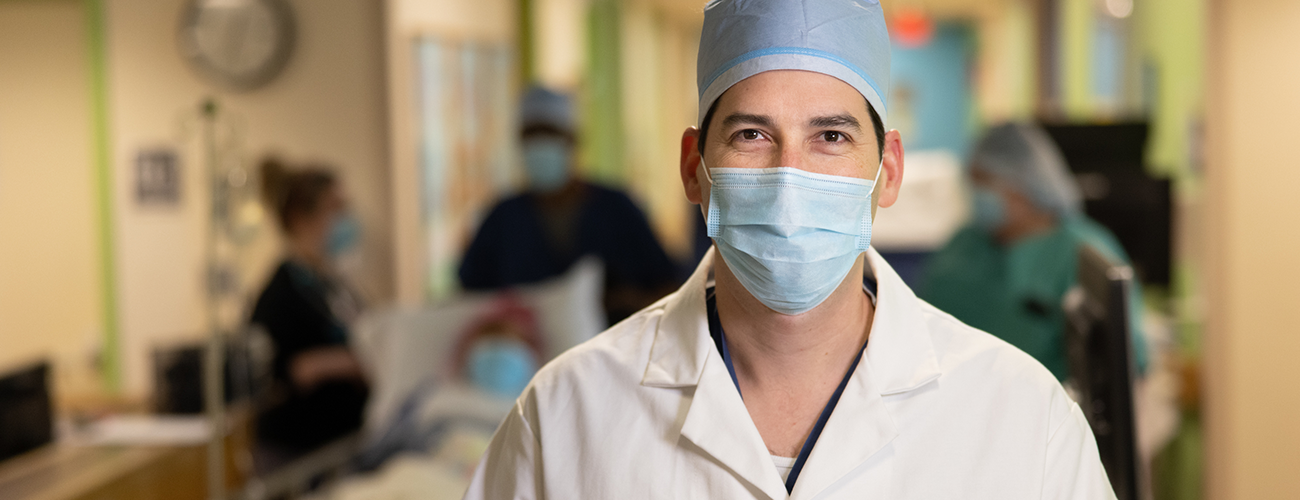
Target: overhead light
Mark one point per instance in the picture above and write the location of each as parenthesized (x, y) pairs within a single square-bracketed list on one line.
[(1119, 9)]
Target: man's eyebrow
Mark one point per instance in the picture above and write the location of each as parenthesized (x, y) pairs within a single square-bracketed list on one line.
[(835, 121), (748, 119)]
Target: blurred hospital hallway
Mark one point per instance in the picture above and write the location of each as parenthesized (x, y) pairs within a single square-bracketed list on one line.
[(295, 248)]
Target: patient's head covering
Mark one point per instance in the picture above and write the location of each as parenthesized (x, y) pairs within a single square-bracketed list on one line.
[(506, 316), (1023, 156), (845, 39), (544, 107)]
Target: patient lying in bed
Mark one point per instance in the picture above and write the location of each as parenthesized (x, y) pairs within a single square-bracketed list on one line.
[(435, 438)]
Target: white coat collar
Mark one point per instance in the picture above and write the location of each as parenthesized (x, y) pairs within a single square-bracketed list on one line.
[(900, 357), (900, 352)]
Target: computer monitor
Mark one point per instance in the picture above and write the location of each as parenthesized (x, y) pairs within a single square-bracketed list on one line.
[(1109, 163), (26, 419), (178, 375), (1101, 363)]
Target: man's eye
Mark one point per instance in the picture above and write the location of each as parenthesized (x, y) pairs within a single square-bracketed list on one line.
[(832, 136), (750, 135)]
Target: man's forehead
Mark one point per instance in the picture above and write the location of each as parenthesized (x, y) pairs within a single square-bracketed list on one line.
[(797, 91)]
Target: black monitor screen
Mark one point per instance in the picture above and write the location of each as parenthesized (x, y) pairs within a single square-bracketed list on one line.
[(26, 420), (1118, 192), (1101, 365)]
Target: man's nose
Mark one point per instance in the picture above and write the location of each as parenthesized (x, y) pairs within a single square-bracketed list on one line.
[(792, 155)]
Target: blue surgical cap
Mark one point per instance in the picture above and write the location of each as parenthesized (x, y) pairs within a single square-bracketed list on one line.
[(846, 39), (541, 106), (1023, 156)]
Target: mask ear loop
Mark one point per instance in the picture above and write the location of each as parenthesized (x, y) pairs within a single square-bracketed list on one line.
[(712, 221), (864, 231)]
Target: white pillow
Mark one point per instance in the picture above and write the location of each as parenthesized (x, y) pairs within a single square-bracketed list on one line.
[(404, 347)]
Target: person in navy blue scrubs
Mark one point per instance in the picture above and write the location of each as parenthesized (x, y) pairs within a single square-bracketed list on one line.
[(560, 218)]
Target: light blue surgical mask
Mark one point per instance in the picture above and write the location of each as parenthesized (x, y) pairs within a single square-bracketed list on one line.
[(345, 233), (988, 209), (502, 367), (789, 236), (547, 161)]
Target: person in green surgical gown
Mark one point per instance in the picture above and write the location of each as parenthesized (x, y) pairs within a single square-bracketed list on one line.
[(1008, 269)]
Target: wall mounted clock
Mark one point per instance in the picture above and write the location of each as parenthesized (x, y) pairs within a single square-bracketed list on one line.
[(237, 44)]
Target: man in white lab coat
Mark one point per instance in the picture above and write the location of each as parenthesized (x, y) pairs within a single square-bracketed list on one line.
[(794, 363)]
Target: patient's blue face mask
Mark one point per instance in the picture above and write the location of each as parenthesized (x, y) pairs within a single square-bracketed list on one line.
[(789, 236), (547, 161), (501, 366)]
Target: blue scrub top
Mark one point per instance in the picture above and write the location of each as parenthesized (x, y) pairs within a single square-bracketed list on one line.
[(512, 247)]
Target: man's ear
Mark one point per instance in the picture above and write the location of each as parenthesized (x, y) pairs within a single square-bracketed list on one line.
[(892, 178), (690, 163)]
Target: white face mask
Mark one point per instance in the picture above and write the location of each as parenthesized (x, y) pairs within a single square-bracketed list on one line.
[(789, 236)]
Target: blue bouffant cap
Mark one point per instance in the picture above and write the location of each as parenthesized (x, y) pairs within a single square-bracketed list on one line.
[(846, 39), (542, 106), (1023, 155)]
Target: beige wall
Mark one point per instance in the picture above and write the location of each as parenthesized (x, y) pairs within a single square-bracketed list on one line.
[(1252, 181), (1005, 87), (49, 269), (561, 41), (659, 41), (327, 105)]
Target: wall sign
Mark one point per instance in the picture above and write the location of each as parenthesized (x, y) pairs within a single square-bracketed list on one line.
[(157, 178)]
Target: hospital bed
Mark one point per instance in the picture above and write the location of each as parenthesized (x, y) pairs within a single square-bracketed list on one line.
[(425, 430)]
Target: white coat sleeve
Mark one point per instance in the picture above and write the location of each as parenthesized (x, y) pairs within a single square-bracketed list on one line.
[(1073, 470), (512, 466)]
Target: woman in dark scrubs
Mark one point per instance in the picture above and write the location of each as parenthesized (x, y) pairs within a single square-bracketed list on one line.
[(320, 390)]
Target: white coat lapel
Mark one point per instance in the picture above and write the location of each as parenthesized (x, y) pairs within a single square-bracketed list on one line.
[(682, 341), (719, 424), (859, 427), (899, 357), (900, 351), (716, 420)]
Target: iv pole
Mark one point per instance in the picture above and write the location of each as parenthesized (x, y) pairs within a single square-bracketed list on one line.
[(214, 360)]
